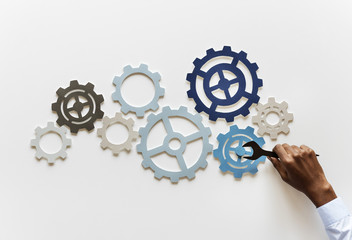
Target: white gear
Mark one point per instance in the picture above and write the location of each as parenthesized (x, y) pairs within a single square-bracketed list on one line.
[(50, 128), (272, 107), (117, 148)]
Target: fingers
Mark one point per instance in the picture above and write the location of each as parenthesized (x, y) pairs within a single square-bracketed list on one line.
[(289, 149), (279, 167), (280, 151)]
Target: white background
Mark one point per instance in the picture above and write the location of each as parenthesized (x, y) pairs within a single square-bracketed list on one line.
[(303, 50)]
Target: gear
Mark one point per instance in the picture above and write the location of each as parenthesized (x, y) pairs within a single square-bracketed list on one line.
[(50, 128), (78, 92), (165, 116), (117, 148), (224, 84), (273, 107), (237, 137), (127, 72)]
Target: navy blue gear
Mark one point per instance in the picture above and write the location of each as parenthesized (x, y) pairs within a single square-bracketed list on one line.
[(233, 141), (224, 84)]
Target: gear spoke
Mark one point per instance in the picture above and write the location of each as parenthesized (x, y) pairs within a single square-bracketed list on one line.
[(156, 151), (167, 125), (193, 137), (227, 94), (77, 99), (181, 162), (247, 95), (215, 87), (233, 81)]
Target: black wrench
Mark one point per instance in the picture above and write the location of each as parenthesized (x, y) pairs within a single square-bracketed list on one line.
[(258, 151)]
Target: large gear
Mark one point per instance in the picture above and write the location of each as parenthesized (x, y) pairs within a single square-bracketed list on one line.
[(224, 84), (78, 92), (185, 171), (233, 141), (118, 119), (127, 72), (51, 157), (273, 129)]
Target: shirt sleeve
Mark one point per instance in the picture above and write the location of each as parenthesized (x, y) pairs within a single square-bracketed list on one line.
[(337, 220)]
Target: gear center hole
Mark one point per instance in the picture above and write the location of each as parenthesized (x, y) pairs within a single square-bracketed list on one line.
[(174, 144), (272, 118), (50, 143), (138, 90), (117, 133)]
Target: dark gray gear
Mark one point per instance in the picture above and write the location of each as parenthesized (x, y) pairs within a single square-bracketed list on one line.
[(78, 92)]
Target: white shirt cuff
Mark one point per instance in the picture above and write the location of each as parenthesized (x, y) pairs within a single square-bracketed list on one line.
[(333, 211)]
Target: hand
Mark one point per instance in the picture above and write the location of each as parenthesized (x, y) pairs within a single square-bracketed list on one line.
[(300, 168)]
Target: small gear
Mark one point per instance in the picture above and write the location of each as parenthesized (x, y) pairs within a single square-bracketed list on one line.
[(186, 171), (127, 72), (224, 84), (233, 141), (273, 107), (50, 128), (118, 119), (78, 93)]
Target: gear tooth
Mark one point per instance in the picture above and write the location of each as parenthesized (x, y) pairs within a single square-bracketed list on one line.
[(140, 113), (104, 145), (161, 92), (51, 160), (151, 117), (124, 109), (143, 67), (156, 76), (99, 114), (99, 99), (197, 117), (190, 77), (259, 107), (74, 84), (253, 171), (261, 131), (166, 109), (128, 68), (59, 122), (230, 118), (217, 153), (210, 51), (74, 129), (290, 117), (198, 108), (50, 125), (273, 135), (55, 107), (183, 109), (260, 141), (197, 63), (284, 105), (139, 148), (259, 83), (256, 119), (223, 168), (90, 86), (174, 179), (63, 155), (234, 128), (60, 92), (106, 120), (249, 130), (271, 100), (245, 112), (154, 107), (238, 174), (207, 131), (285, 129), (203, 164), (190, 93), (100, 132), (69, 143), (38, 130), (254, 66), (116, 80), (221, 137), (227, 49), (134, 135), (213, 117), (33, 143), (89, 127), (191, 175), (129, 121), (242, 55), (158, 175), (38, 155)]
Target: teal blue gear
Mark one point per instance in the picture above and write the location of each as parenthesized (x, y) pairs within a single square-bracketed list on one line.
[(237, 137), (164, 116)]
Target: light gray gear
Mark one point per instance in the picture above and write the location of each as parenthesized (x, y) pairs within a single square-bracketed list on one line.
[(272, 107), (117, 148), (128, 71), (186, 171), (50, 128)]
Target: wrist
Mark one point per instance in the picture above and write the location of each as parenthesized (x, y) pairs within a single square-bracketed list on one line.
[(322, 195)]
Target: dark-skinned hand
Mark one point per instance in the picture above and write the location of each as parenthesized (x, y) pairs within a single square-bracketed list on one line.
[(300, 168)]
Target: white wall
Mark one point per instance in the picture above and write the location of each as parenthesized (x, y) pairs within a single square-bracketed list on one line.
[(303, 49)]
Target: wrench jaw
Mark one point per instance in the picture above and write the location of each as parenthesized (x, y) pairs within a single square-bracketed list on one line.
[(256, 150)]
